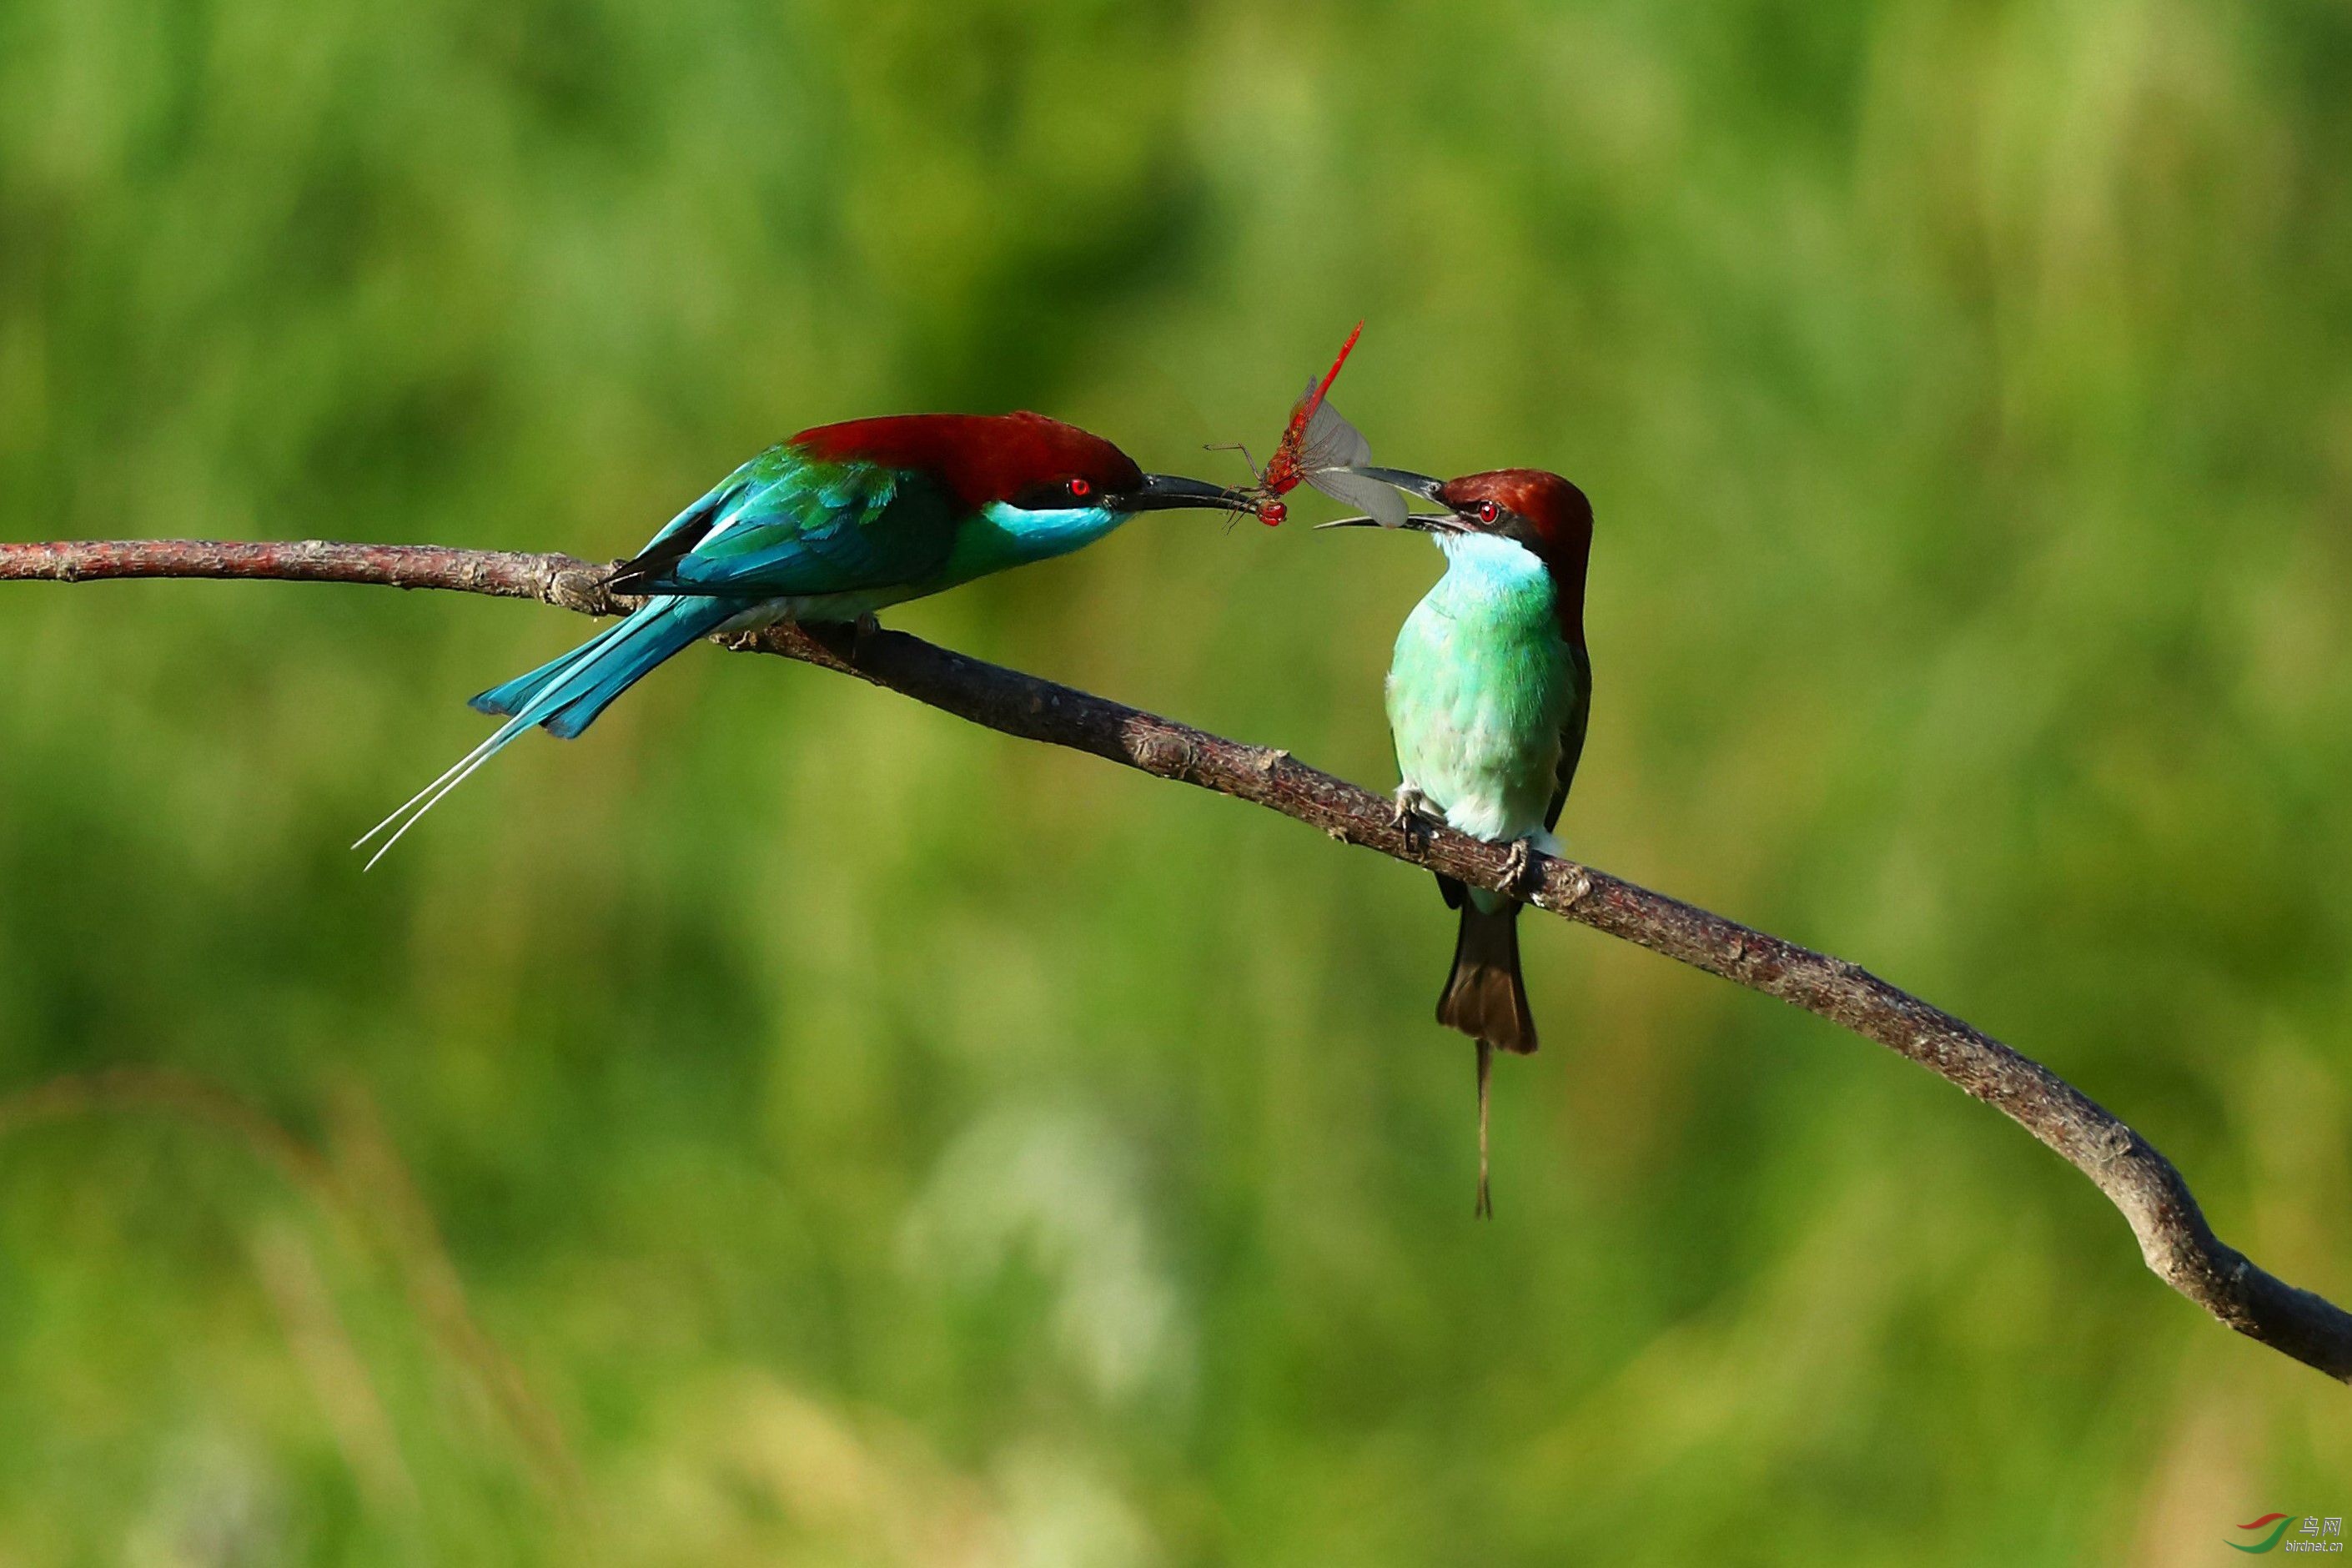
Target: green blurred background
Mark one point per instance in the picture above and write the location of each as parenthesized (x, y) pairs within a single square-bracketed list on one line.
[(791, 1125)]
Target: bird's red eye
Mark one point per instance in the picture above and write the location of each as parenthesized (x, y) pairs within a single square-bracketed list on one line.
[(1488, 511), (1079, 488)]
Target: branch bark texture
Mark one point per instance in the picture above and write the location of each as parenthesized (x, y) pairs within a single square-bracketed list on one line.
[(2173, 1234)]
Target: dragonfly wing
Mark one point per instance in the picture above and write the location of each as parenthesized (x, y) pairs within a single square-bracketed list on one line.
[(1382, 502), (1332, 452), (1332, 443)]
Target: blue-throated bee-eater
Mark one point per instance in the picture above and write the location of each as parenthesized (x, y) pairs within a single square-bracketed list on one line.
[(829, 526), (1487, 696)]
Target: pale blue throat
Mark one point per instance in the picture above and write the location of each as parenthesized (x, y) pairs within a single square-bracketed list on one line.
[(1004, 536), (1487, 563)]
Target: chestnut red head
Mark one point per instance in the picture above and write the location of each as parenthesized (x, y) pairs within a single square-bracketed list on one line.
[(1024, 460), (1541, 512)]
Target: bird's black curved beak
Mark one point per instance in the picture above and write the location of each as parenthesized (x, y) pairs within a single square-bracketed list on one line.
[(1419, 522), (1405, 480), (1166, 492)]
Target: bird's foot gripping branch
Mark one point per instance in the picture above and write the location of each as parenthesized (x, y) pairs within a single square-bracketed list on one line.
[(2172, 1232)]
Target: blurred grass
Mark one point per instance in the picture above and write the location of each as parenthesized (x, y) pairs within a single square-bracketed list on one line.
[(871, 1141)]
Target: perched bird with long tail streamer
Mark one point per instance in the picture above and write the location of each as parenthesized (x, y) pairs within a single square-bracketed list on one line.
[(1488, 693), (830, 526)]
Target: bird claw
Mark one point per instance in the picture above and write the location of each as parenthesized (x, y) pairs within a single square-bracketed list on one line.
[(1517, 866), (864, 626), (1410, 819)]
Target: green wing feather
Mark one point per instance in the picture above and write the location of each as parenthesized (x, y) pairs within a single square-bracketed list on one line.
[(785, 524)]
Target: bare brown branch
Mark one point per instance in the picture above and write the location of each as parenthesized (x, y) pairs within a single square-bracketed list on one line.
[(2173, 1235)]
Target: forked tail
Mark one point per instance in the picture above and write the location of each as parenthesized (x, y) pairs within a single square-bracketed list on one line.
[(566, 694)]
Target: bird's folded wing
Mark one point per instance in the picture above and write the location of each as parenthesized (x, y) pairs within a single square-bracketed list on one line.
[(786, 525)]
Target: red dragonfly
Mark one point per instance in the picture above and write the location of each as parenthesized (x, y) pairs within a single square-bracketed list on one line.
[(1319, 447)]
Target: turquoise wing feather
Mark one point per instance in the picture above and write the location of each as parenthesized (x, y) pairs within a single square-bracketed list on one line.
[(785, 525)]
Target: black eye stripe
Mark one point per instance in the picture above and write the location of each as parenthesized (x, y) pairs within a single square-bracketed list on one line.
[(1055, 495)]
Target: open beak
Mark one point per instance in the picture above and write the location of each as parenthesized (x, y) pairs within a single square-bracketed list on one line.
[(1405, 480), (1167, 492), (1419, 522), (1413, 484)]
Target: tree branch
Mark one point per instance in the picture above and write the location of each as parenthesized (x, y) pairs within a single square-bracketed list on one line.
[(2173, 1235)]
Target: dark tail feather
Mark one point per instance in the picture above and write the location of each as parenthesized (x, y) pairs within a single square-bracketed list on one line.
[(1487, 1000), (1485, 1207), (1485, 997)]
